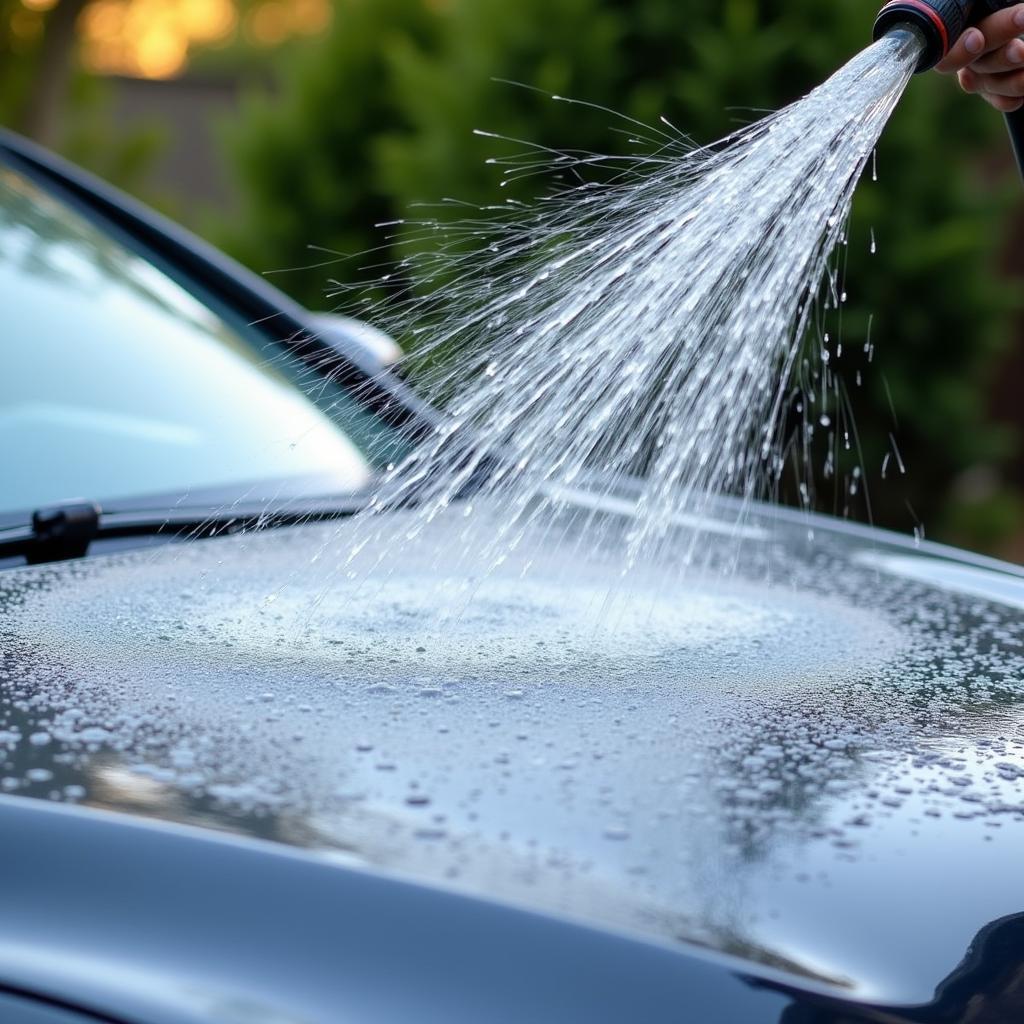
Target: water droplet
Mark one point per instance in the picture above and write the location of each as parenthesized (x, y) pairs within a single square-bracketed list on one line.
[(616, 832)]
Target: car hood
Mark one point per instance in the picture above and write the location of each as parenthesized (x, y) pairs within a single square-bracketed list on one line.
[(808, 752)]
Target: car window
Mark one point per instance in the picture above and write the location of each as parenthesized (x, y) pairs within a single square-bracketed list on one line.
[(115, 381)]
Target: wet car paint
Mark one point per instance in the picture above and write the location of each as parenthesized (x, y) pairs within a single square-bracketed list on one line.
[(210, 928), (812, 764)]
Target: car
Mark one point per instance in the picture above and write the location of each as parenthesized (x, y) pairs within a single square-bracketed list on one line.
[(270, 754)]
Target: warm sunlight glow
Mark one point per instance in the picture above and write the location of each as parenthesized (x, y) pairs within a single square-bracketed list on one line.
[(310, 16), (26, 26), (269, 24), (161, 51), (153, 38), (208, 21)]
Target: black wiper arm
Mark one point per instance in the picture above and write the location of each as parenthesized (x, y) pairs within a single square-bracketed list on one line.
[(65, 530)]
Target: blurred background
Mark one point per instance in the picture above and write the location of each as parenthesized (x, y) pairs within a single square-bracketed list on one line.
[(283, 130)]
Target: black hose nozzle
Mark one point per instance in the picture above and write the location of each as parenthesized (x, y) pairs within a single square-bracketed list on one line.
[(940, 24)]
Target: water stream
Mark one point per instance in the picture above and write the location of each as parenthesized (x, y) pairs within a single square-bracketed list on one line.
[(644, 326)]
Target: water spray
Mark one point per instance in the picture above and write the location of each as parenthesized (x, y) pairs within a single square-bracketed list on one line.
[(633, 345), (934, 26)]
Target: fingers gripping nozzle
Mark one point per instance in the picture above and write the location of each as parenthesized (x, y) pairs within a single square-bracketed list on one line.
[(940, 22)]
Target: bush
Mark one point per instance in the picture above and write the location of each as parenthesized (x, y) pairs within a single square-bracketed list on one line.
[(305, 155)]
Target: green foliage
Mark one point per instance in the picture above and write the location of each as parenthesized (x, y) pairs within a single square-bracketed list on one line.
[(305, 156), (381, 116), (18, 61), (939, 305), (974, 521), (93, 139)]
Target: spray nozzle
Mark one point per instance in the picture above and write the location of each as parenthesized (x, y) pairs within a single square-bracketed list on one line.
[(938, 22)]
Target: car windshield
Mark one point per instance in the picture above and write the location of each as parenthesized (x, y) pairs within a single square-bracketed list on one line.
[(116, 381)]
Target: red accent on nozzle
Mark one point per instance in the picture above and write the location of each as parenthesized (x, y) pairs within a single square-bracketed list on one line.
[(930, 11)]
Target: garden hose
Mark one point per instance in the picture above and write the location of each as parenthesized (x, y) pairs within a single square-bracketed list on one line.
[(939, 24)]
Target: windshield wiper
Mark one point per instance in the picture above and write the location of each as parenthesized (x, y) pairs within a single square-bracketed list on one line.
[(66, 530)]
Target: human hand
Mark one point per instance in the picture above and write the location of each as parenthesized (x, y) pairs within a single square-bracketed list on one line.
[(988, 59)]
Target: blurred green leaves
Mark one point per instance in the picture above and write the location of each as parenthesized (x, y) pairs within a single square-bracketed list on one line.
[(307, 158)]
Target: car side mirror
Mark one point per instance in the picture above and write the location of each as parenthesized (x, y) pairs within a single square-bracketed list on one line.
[(368, 347)]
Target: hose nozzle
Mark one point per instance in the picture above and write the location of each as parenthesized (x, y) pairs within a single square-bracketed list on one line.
[(939, 23)]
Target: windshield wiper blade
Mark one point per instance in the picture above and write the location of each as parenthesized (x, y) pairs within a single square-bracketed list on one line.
[(66, 530)]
